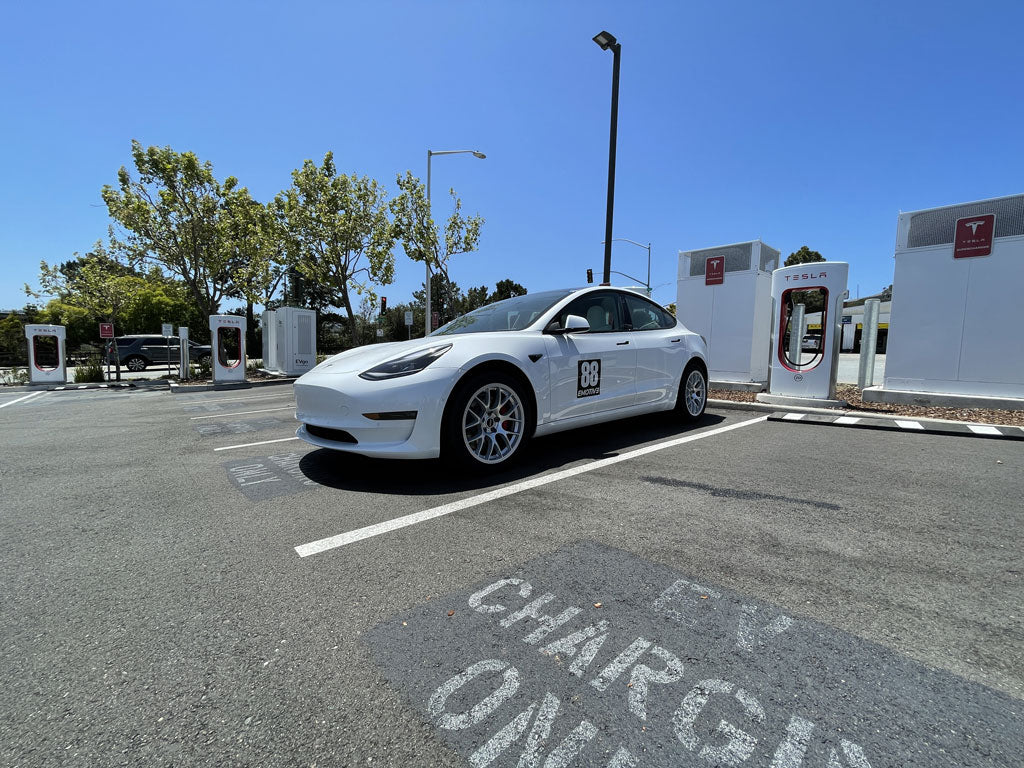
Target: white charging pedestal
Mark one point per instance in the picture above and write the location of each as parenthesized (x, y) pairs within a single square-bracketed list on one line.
[(227, 336), (724, 294), (801, 376), (289, 340), (954, 328), (47, 354)]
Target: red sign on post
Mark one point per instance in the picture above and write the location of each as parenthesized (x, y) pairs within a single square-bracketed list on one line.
[(974, 235), (714, 270), (106, 330)]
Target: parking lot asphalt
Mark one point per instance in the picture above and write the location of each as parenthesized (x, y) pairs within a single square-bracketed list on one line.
[(187, 585)]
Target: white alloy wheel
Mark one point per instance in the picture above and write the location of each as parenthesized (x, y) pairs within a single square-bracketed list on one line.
[(694, 393), (493, 423)]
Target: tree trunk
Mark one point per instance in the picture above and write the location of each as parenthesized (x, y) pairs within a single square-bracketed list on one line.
[(351, 316)]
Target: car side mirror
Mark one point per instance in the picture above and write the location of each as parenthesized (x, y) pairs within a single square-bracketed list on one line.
[(576, 324), (573, 324)]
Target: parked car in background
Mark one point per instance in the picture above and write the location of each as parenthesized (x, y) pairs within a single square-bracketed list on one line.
[(810, 343), (138, 351)]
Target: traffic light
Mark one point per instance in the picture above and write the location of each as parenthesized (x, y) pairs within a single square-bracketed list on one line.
[(383, 304), (590, 275)]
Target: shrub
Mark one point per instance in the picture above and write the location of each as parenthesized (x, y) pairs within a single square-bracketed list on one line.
[(204, 368), (14, 376), (90, 370)]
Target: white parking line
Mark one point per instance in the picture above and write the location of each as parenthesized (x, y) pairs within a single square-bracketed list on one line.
[(342, 539), (242, 413), (235, 399), (249, 445), (26, 397)]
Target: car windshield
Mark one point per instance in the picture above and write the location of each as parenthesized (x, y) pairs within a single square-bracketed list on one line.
[(513, 314)]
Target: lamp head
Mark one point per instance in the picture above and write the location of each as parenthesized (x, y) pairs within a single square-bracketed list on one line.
[(605, 39), (481, 155)]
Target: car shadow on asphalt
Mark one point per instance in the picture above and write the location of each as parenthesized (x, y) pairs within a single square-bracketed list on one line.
[(350, 472)]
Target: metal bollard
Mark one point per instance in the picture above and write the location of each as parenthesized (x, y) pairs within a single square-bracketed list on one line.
[(868, 343), (796, 335)]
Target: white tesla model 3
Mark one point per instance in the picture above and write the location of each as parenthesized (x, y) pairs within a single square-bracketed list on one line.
[(477, 389)]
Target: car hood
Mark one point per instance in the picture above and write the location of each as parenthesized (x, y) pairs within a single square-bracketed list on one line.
[(361, 359)]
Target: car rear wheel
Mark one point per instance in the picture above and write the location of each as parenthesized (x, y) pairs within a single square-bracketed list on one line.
[(135, 363), (486, 424), (693, 393)]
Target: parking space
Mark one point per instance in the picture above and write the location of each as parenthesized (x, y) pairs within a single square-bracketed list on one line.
[(187, 584)]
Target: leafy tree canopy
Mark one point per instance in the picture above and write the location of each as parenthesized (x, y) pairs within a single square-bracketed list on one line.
[(804, 256), (171, 216), (338, 232)]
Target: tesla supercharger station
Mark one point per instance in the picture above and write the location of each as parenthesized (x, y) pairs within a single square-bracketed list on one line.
[(955, 321), (796, 372), (724, 294), (289, 340), (227, 335), (46, 354)]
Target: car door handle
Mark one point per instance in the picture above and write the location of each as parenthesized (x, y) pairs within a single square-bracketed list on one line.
[(621, 343), (674, 341)]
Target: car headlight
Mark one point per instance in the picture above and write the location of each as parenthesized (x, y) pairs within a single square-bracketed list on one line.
[(414, 362)]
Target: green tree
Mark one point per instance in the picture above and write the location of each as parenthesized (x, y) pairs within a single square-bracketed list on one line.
[(415, 229), (804, 256), (338, 232), (98, 287), (255, 240), (13, 344), (506, 289), (813, 301), (171, 218)]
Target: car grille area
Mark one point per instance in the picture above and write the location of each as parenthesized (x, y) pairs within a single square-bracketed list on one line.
[(326, 433)]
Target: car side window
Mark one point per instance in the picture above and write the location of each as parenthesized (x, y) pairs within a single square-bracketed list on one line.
[(644, 315), (600, 309)]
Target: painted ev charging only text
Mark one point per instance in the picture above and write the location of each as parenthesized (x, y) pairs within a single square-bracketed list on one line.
[(592, 656)]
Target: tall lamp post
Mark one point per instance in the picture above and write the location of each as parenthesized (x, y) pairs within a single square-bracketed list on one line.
[(648, 247), (430, 154), (606, 40)]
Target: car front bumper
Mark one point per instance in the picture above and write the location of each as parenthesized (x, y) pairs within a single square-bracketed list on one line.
[(338, 401)]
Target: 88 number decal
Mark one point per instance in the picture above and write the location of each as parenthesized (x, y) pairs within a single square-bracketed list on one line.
[(588, 382)]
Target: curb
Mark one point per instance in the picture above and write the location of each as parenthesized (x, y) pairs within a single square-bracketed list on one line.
[(905, 424), (91, 385), (179, 388)]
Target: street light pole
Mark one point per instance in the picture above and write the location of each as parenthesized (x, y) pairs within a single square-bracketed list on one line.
[(606, 40), (648, 247), (426, 262)]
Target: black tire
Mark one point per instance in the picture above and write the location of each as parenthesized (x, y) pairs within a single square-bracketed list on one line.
[(692, 397), (136, 363), (487, 422)]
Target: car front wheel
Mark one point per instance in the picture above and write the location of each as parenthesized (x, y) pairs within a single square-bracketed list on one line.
[(486, 425), (135, 363), (693, 393)]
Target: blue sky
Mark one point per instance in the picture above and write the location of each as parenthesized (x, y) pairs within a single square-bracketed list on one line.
[(797, 122)]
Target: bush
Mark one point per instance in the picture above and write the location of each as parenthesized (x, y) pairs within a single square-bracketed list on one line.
[(14, 376), (203, 369), (90, 370)]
